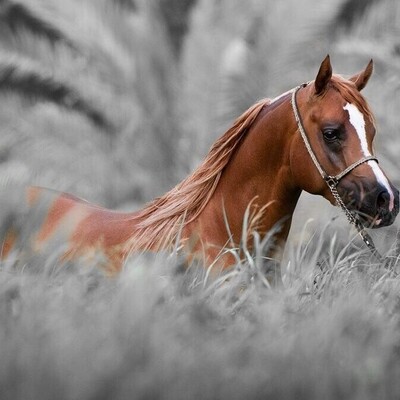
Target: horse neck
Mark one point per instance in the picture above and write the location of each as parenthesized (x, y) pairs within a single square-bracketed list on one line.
[(257, 176)]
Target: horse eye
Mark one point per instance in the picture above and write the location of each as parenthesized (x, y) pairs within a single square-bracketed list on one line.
[(331, 135)]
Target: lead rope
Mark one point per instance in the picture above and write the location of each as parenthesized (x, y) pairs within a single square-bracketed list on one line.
[(333, 181)]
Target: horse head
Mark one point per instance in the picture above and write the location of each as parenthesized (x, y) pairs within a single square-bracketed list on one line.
[(335, 150)]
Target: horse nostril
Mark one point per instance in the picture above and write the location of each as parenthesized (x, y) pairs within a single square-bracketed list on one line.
[(382, 201)]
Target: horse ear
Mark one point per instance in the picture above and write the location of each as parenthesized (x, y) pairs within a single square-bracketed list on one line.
[(324, 75), (361, 79)]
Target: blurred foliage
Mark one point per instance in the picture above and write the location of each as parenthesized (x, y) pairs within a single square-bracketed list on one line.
[(67, 332), (116, 100), (175, 16)]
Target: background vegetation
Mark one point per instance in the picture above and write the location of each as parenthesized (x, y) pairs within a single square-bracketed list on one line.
[(116, 101)]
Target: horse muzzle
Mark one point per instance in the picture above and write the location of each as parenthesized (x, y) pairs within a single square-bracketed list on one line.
[(376, 207)]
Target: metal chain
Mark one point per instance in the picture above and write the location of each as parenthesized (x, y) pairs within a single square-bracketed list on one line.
[(353, 219)]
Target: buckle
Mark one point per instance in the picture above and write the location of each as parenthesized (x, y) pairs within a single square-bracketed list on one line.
[(331, 181)]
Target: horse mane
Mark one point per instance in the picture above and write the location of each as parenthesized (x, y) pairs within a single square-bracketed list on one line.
[(159, 224), (350, 93)]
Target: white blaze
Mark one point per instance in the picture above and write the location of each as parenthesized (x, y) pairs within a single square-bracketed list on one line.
[(356, 118)]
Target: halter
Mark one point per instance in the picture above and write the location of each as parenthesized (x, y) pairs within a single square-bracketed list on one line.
[(333, 180)]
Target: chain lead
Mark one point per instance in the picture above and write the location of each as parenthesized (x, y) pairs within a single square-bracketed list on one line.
[(353, 219)]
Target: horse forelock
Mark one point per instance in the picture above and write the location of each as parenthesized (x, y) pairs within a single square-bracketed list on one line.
[(161, 221), (353, 96)]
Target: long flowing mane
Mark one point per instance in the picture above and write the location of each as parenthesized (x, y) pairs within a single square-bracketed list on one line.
[(160, 222)]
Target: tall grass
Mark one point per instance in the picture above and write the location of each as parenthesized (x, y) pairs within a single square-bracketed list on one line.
[(67, 332)]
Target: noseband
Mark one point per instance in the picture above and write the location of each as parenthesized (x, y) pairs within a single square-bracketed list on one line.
[(333, 180)]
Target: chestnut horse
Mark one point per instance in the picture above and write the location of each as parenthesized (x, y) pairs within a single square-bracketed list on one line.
[(319, 133)]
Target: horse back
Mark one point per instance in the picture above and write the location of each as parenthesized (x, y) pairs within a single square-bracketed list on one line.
[(47, 221)]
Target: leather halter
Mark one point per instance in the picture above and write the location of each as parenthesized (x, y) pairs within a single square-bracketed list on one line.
[(333, 180)]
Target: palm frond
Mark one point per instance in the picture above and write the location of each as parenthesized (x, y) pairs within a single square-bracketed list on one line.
[(176, 14), (36, 84), (349, 13), (16, 16), (127, 4)]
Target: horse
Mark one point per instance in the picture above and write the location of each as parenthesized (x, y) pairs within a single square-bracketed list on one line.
[(317, 137)]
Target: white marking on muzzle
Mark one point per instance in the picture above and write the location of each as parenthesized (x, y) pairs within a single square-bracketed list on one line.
[(356, 118)]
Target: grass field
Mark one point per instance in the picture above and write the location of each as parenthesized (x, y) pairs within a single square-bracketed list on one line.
[(116, 101), (67, 332)]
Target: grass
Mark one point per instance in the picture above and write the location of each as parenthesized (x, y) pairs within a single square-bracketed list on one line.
[(68, 332)]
